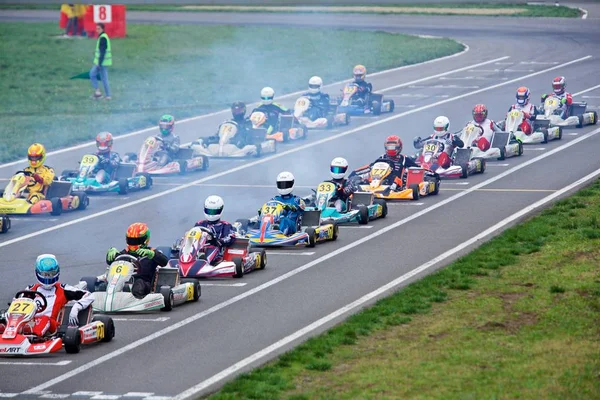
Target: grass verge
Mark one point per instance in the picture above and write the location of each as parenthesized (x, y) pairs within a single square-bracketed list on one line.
[(183, 70), (519, 10), (516, 318)]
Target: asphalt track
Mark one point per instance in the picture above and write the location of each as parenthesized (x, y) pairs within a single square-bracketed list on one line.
[(164, 354)]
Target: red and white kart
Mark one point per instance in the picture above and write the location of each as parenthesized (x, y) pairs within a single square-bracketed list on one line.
[(153, 159), (189, 255), (503, 144), (530, 132), (578, 114), (332, 119), (18, 339), (462, 164)]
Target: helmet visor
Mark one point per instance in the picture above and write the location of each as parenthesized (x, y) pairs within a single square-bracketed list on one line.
[(35, 158), (266, 97), (338, 169), (314, 86), (136, 241), (213, 211), (285, 184), (439, 128), (479, 116)]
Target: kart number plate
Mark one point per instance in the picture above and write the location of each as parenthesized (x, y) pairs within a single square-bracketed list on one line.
[(515, 113), (430, 147), (22, 306), (88, 160), (326, 187), (119, 268)]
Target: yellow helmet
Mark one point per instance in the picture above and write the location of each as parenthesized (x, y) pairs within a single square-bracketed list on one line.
[(360, 72), (36, 154)]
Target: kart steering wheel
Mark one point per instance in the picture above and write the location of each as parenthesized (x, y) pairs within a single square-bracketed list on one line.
[(129, 258), (206, 230), (32, 294)]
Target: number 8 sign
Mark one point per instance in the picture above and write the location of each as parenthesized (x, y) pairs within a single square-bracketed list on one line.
[(103, 14)]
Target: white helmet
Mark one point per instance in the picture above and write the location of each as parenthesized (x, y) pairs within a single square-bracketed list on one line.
[(440, 126), (267, 94), (285, 183), (315, 84), (213, 208), (338, 168)]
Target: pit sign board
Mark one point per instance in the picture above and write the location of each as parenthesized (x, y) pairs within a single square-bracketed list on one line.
[(102, 14)]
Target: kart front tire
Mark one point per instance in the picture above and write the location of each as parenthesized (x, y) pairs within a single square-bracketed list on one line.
[(56, 206), (363, 215), (415, 191), (182, 167), (109, 327), (123, 186), (197, 291), (84, 200), (437, 187), (464, 171), (312, 237), (5, 223), (148, 179), (384, 207), (263, 259), (559, 133), (520, 153), (239, 267), (72, 340), (376, 106), (336, 232), (392, 106)]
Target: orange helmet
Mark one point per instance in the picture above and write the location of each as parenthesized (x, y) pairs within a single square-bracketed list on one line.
[(480, 113), (523, 95), (36, 154), (138, 235), (360, 72), (393, 146), (104, 142)]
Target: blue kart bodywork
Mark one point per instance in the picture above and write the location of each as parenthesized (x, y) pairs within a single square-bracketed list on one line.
[(374, 103)]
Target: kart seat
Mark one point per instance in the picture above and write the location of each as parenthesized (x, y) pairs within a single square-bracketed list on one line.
[(239, 243), (462, 156), (58, 189), (185, 153), (361, 199), (85, 317), (165, 276), (500, 139), (311, 218), (577, 108), (125, 170)]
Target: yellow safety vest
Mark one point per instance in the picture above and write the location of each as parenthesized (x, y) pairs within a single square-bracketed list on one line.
[(107, 62)]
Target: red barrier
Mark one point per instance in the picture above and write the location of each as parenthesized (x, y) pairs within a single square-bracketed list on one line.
[(112, 16)]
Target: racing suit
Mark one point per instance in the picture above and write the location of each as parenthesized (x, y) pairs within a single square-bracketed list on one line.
[(398, 164), (344, 188), (566, 99), (364, 90), (142, 281), (292, 216), (42, 178), (107, 162), (223, 236), (484, 141), (57, 297), (242, 138), (450, 142), (530, 111), (171, 146), (272, 111), (319, 105)]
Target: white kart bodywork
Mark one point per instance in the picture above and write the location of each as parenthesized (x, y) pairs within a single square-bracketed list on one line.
[(512, 124), (551, 107), (303, 104), (224, 148), (501, 144)]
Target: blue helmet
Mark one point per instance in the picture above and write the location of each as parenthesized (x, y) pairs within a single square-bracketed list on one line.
[(47, 270)]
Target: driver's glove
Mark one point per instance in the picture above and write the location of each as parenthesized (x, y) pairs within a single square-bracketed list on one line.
[(563, 101), (148, 253), (112, 254), (38, 178), (74, 314)]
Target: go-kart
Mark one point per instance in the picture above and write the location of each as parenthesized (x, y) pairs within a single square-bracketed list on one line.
[(263, 230), (18, 338), (226, 145), (578, 116), (463, 164), (5, 223), (360, 207), (333, 118), (503, 144), (154, 159), (542, 132), (416, 182), (112, 291), (374, 103), (190, 257), (288, 128), (122, 180), (59, 197)]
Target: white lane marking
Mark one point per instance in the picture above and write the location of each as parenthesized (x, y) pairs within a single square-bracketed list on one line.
[(587, 90), (224, 284), (159, 398), (409, 84), (591, 97), (455, 183), (138, 394), (94, 198), (404, 203), (48, 364), (504, 63), (281, 154), (501, 70), (8, 395), (539, 62), (84, 393), (356, 226), (572, 134), (465, 78), (198, 117), (34, 219), (290, 253), (376, 293), (497, 165), (535, 148), (259, 288), (106, 397), (233, 185), (411, 95), (54, 396), (159, 319), (443, 87)]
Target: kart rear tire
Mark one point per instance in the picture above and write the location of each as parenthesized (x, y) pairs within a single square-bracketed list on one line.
[(384, 207), (197, 291), (263, 259), (545, 133), (520, 152), (595, 118), (559, 133), (56, 206), (182, 167), (90, 282), (5, 223), (123, 186), (363, 215), (304, 132), (204, 163), (258, 151), (415, 191), (336, 232), (312, 237), (167, 295), (483, 164), (148, 179), (84, 200), (502, 154), (392, 106), (437, 187), (109, 327), (376, 106), (72, 340), (239, 267), (580, 121), (464, 172)]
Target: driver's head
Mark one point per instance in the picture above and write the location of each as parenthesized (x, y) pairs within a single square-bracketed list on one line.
[(166, 124), (285, 183), (359, 72), (480, 113), (36, 154), (213, 208), (104, 142), (137, 236), (47, 270), (267, 94), (238, 111), (559, 84), (523, 95), (440, 126), (393, 146)]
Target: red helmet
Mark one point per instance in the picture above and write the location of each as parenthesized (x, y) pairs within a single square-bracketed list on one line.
[(104, 142), (523, 95), (559, 84), (393, 146), (480, 113)]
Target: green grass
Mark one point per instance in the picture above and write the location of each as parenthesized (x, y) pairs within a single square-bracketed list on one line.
[(516, 318), (527, 10), (183, 70)]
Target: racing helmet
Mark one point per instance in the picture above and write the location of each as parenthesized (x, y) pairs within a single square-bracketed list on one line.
[(138, 235), (238, 110), (166, 124), (523, 95), (266, 95), (559, 84), (480, 113), (47, 270), (104, 142), (315, 84), (285, 183), (359, 72), (440, 126), (213, 208), (36, 154), (393, 146), (338, 167)]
